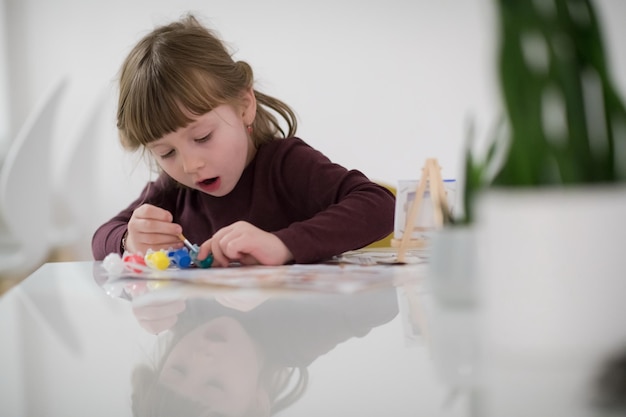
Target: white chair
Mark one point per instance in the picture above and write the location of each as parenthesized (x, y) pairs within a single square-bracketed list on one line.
[(25, 189), (74, 184)]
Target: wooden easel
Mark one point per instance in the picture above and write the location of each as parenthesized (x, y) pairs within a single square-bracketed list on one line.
[(431, 177)]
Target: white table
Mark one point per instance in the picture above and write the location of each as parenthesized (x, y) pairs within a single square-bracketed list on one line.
[(74, 343)]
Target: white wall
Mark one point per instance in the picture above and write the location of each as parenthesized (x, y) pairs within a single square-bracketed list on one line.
[(378, 85), (4, 82)]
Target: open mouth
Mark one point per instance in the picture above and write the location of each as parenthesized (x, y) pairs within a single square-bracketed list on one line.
[(208, 181), (210, 184)]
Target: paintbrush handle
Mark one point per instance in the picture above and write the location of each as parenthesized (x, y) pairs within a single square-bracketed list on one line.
[(188, 244)]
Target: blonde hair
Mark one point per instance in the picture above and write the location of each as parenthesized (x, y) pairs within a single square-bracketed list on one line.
[(184, 67)]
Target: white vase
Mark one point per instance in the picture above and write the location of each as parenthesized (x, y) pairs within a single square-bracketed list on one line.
[(551, 288), (451, 281), (451, 266)]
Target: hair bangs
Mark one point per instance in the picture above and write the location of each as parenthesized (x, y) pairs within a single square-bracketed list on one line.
[(163, 100)]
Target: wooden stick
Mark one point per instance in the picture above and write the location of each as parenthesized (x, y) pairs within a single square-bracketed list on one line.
[(441, 201), (431, 178), (437, 194), (413, 211)]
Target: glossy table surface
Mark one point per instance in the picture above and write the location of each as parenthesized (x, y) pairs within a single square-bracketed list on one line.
[(75, 342)]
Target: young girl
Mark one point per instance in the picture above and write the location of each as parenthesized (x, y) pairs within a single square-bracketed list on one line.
[(230, 176)]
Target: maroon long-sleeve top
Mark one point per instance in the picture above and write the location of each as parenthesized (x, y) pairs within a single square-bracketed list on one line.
[(316, 207)]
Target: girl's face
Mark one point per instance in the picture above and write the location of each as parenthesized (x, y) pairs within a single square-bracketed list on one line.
[(211, 152), (216, 365)]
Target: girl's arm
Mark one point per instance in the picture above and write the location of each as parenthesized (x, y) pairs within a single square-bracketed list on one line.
[(341, 209)]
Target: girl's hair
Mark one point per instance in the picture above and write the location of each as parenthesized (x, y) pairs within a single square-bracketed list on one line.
[(184, 67), (151, 398)]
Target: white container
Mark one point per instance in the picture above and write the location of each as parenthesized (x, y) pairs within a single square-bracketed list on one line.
[(452, 265), (551, 275), (425, 221)]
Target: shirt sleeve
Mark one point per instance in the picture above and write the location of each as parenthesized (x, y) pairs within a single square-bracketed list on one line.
[(342, 209)]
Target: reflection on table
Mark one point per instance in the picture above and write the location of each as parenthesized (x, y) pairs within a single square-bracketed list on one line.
[(245, 355), (79, 343)]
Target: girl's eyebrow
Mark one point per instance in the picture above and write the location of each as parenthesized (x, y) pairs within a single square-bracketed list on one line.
[(155, 144)]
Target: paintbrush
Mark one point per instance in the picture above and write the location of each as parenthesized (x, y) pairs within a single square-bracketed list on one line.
[(188, 244)]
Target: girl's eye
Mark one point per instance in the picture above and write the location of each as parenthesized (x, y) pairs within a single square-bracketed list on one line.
[(204, 139), (167, 155)]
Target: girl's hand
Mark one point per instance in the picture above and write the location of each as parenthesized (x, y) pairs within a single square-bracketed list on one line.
[(158, 316), (246, 244), (151, 227)]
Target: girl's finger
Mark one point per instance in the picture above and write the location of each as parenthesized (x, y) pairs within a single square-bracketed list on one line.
[(148, 211)]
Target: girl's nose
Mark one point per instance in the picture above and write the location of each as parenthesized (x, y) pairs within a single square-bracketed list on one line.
[(192, 162)]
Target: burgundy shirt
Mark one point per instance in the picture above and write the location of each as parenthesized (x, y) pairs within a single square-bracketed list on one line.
[(317, 208)]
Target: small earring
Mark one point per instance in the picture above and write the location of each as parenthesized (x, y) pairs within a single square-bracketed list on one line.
[(249, 127)]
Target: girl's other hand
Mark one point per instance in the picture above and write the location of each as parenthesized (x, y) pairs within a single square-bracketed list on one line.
[(247, 244), (151, 227)]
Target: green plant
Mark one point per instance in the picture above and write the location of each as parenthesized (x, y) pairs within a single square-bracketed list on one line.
[(566, 123)]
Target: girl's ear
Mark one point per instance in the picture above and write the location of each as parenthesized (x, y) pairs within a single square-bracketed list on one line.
[(248, 106)]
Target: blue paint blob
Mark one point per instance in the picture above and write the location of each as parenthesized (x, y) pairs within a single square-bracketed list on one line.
[(180, 258)]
